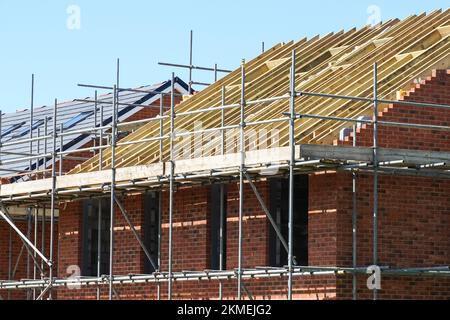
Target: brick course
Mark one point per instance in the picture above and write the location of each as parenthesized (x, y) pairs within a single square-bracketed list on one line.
[(413, 223), (414, 212), (70, 232)]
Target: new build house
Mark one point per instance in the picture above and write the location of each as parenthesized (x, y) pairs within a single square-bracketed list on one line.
[(73, 118), (317, 170)]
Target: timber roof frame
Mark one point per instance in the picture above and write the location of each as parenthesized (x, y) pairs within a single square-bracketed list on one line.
[(337, 64)]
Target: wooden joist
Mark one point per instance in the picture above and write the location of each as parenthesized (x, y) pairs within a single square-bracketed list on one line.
[(258, 162), (364, 154), (338, 63)]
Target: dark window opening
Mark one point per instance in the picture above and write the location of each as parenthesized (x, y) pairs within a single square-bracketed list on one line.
[(12, 128), (90, 237), (152, 223), (77, 119), (26, 130), (279, 209), (218, 207)]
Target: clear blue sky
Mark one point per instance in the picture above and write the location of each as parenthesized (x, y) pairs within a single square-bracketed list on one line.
[(35, 38)]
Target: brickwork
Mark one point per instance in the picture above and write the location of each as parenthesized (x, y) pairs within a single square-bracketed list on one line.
[(413, 224), (70, 233)]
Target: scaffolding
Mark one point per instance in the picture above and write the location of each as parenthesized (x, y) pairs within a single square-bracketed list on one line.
[(243, 166), (191, 67)]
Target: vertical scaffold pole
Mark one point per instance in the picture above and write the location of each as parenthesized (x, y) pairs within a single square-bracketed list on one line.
[(191, 41), (95, 134), (31, 120), (161, 149), (36, 215), (44, 217), (158, 284), (354, 226), (38, 152), (222, 121), (215, 72), (112, 191), (99, 244), (29, 221), (44, 213), (53, 197), (221, 235), (10, 248), (161, 127), (171, 182), (375, 168), (241, 179), (61, 148), (291, 173), (222, 198), (46, 120), (100, 139), (99, 213), (117, 90), (35, 240)]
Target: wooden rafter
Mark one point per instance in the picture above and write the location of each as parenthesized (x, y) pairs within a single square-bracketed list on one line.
[(338, 63)]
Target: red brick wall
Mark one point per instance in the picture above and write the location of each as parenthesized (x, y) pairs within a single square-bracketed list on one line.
[(191, 238), (72, 223), (20, 259), (413, 223), (433, 89), (128, 255), (414, 219), (190, 235), (255, 227), (70, 228), (413, 231), (322, 238)]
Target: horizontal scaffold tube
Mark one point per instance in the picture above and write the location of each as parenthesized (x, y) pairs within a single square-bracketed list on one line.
[(257, 273)]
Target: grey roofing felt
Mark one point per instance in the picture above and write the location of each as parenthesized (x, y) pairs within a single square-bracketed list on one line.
[(69, 112)]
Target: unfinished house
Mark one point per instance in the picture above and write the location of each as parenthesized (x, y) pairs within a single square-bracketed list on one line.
[(77, 121), (318, 170)]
